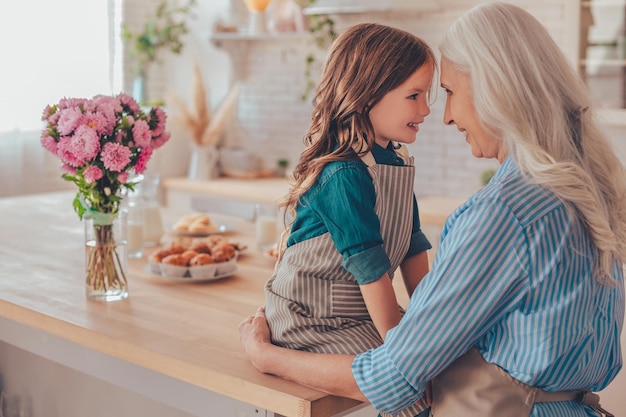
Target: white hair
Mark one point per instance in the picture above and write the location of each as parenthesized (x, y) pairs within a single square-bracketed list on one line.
[(525, 91)]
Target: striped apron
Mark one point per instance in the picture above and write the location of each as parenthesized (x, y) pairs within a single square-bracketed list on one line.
[(313, 303)]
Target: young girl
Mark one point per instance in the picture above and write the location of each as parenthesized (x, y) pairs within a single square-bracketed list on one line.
[(355, 213)]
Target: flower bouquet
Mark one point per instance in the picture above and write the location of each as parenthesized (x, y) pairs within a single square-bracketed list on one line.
[(100, 142)]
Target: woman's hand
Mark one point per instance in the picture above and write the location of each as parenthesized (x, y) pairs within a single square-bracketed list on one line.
[(321, 371), (254, 334)]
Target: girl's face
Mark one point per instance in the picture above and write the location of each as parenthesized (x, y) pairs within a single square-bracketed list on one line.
[(460, 111), (397, 116)]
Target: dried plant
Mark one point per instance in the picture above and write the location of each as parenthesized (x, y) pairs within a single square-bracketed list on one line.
[(195, 120)]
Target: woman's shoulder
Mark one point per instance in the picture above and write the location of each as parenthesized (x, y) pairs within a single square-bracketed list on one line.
[(515, 192)]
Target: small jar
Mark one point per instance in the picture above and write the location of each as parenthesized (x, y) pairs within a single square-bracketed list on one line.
[(143, 201)]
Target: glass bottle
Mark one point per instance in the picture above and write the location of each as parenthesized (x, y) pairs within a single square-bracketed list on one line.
[(145, 199)]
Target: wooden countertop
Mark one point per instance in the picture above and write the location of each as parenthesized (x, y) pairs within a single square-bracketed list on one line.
[(187, 331)]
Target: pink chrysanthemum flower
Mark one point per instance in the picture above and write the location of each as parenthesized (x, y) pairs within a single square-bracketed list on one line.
[(117, 104), (160, 140), (105, 104), (122, 177), (66, 103), (159, 125), (99, 122), (68, 169), (143, 159), (65, 152), (92, 173), (54, 118), (108, 112), (49, 143), (141, 134), (115, 156), (69, 119), (86, 143), (129, 102), (47, 112)]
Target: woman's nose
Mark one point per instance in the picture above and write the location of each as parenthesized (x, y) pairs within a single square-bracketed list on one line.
[(447, 118)]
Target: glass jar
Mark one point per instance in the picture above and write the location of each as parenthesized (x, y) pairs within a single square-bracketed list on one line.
[(144, 199), (105, 256)]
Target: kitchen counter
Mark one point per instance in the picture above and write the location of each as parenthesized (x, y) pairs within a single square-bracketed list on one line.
[(183, 333), (174, 343), (179, 192)]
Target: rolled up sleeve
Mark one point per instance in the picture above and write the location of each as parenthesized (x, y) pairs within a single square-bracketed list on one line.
[(369, 265), (382, 382)]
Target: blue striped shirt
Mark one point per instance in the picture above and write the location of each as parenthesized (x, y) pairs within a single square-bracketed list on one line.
[(513, 277)]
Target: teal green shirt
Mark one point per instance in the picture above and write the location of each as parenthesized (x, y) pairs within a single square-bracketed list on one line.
[(342, 202)]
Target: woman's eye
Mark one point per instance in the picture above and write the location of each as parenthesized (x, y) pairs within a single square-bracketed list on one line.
[(448, 92)]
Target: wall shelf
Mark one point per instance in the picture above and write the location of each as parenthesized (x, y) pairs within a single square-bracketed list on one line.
[(608, 62), (368, 6), (218, 37), (237, 44)]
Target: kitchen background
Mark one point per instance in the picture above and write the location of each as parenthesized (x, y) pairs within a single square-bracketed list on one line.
[(270, 120), (271, 115)]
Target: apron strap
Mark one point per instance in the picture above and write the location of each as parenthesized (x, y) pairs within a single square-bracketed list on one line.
[(401, 151), (588, 398), (368, 159), (551, 397)]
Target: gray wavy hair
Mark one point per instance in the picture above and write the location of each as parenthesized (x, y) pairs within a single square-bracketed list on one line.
[(526, 91)]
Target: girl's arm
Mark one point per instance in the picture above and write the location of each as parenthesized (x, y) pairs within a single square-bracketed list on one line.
[(413, 270), (380, 297), (330, 373), (381, 302)]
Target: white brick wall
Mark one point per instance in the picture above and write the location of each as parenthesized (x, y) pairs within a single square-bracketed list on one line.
[(272, 118)]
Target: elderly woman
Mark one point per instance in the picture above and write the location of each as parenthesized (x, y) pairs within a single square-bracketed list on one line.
[(522, 312)]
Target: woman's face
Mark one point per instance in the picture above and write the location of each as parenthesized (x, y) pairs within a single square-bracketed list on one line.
[(397, 116), (460, 111)]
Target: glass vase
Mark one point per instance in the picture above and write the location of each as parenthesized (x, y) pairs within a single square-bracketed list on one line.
[(106, 258), (140, 88), (204, 162)]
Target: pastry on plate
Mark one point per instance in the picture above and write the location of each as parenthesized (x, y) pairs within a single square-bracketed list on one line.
[(201, 259), (174, 259), (195, 223)]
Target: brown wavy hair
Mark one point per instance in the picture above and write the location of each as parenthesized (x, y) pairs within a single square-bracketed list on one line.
[(365, 62)]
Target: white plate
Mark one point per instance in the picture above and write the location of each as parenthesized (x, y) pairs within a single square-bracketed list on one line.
[(189, 278), (221, 228)]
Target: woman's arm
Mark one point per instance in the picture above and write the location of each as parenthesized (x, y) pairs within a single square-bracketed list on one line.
[(381, 302), (413, 270), (324, 372)]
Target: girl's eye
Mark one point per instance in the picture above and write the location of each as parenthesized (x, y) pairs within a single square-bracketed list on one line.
[(413, 96)]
